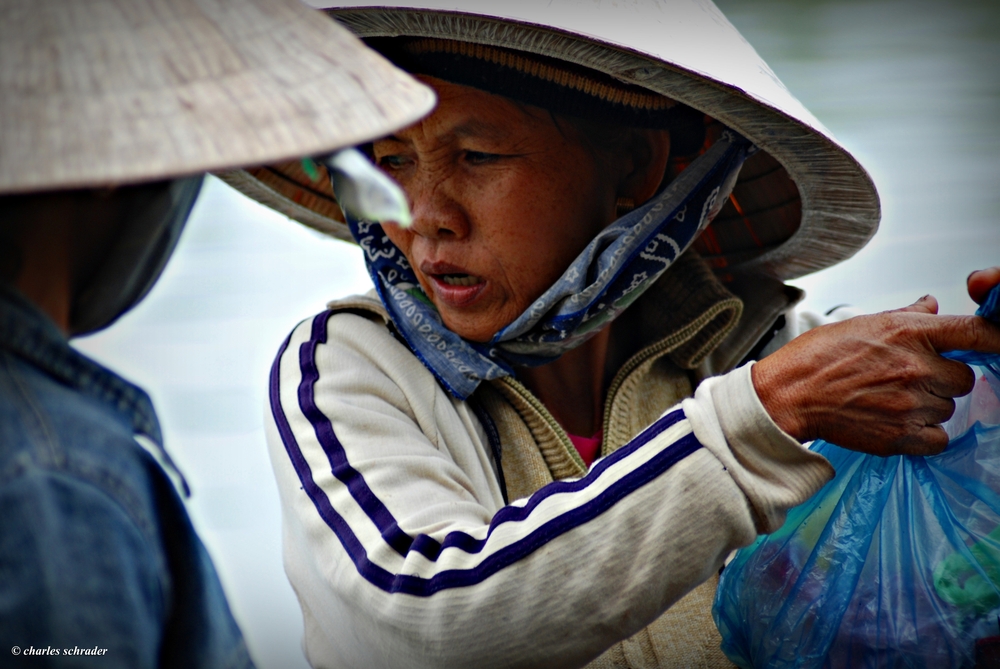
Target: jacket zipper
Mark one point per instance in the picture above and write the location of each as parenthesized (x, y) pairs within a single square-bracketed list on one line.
[(630, 366), (549, 419)]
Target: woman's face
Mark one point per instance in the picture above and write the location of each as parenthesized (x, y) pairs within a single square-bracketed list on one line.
[(503, 197)]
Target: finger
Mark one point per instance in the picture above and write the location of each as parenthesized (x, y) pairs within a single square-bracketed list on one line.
[(950, 378), (927, 304), (929, 440), (962, 333), (981, 282), (938, 410)]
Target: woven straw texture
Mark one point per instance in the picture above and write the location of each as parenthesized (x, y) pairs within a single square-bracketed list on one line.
[(103, 92), (802, 204)]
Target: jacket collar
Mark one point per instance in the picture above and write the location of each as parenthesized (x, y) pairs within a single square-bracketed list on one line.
[(28, 333), (685, 315)]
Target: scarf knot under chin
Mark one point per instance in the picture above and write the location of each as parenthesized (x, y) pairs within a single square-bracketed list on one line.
[(613, 270)]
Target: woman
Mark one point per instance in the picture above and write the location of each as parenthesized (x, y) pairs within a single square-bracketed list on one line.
[(435, 449)]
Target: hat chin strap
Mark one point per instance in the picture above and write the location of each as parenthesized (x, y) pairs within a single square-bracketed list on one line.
[(137, 258)]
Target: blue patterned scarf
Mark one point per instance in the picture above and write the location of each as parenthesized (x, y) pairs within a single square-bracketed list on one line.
[(613, 270)]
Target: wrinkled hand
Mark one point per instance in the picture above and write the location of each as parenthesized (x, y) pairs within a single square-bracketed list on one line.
[(877, 383)]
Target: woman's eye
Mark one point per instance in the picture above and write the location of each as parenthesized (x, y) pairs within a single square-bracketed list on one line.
[(480, 158), (392, 162)]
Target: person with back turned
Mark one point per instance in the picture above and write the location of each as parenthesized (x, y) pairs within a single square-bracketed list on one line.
[(110, 114)]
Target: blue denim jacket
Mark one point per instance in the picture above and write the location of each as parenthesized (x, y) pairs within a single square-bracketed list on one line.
[(96, 548)]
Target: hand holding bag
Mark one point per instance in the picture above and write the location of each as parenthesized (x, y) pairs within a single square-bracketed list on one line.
[(894, 563)]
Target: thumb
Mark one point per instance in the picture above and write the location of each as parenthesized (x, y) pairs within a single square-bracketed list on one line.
[(925, 305)]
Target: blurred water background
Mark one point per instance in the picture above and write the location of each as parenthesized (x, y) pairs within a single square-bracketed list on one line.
[(911, 88)]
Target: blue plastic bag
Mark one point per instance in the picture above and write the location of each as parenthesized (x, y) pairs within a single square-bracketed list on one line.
[(894, 563)]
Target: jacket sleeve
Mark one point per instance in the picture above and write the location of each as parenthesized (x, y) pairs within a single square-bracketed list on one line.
[(402, 555)]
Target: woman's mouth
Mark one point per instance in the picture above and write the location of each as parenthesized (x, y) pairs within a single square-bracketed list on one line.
[(451, 286), (460, 279)]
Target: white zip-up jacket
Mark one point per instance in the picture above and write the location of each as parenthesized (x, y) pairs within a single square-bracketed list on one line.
[(403, 553)]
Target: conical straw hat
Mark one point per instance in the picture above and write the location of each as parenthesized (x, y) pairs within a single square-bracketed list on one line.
[(104, 92), (802, 203)]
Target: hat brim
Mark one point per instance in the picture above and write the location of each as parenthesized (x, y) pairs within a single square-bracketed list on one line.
[(801, 204), (102, 92)]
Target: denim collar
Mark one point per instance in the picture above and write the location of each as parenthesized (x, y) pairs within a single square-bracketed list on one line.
[(30, 335)]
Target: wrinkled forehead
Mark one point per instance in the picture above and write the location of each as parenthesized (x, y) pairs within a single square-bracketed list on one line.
[(512, 89), (465, 113)]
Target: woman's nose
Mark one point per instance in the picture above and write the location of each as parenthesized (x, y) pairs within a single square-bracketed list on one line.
[(436, 213)]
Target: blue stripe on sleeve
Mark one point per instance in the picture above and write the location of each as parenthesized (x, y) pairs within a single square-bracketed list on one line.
[(425, 545)]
